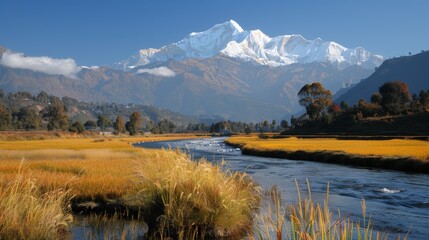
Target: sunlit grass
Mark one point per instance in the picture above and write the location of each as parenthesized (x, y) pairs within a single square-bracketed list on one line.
[(26, 212), (90, 167), (180, 197), (84, 143), (190, 200), (309, 220), (396, 147)]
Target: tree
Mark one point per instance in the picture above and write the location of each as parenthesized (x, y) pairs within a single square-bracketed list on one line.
[(273, 125), (424, 98), (166, 126), (315, 98), (77, 127), (27, 118), (247, 130), (362, 103), (376, 98), (394, 96), (43, 98), (119, 125), (334, 108), (294, 122), (284, 124), (5, 118), (134, 125), (368, 109), (90, 125), (103, 122), (265, 125), (55, 114), (344, 106)]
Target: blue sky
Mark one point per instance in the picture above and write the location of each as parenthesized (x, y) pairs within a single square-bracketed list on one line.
[(103, 32)]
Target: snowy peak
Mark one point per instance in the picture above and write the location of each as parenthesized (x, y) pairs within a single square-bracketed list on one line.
[(208, 43), (229, 26), (230, 39)]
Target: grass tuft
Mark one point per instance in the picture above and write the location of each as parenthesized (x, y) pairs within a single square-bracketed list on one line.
[(307, 220), (28, 213), (184, 199)]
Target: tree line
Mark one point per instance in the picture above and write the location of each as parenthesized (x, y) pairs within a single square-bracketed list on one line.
[(23, 111), (393, 98)]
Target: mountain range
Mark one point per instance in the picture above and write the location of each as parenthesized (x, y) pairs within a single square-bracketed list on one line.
[(231, 40), (224, 71)]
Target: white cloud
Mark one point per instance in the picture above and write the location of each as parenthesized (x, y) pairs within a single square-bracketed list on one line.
[(160, 71), (66, 67)]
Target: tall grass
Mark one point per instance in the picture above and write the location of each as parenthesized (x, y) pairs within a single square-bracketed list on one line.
[(396, 147), (88, 173), (92, 169), (184, 199), (28, 213), (179, 198), (307, 220)]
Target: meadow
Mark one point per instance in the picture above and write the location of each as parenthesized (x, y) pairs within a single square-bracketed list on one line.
[(178, 198), (91, 167), (398, 154)]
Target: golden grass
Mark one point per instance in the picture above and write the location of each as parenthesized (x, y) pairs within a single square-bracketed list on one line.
[(185, 199), (191, 200), (308, 220), (90, 167), (396, 147), (28, 213), (182, 198)]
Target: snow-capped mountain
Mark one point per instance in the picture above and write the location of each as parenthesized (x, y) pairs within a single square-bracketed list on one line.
[(220, 85), (231, 40)]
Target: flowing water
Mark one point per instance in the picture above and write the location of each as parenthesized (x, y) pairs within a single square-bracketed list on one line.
[(395, 201)]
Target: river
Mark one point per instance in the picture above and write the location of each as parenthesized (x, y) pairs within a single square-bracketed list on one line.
[(395, 201)]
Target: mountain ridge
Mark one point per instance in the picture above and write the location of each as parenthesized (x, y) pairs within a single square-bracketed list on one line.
[(231, 40), (413, 70), (222, 86)]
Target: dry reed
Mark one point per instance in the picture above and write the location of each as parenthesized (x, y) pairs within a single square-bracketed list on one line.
[(308, 220), (192, 200), (28, 213)]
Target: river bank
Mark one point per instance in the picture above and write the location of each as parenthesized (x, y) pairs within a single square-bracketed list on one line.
[(397, 154)]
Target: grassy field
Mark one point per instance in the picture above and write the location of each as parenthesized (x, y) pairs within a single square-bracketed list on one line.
[(177, 197), (399, 154), (90, 167)]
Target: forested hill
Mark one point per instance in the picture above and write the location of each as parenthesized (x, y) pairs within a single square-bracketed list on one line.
[(25, 111), (412, 70)]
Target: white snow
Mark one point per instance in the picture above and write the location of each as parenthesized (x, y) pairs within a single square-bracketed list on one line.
[(88, 67), (230, 39)]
